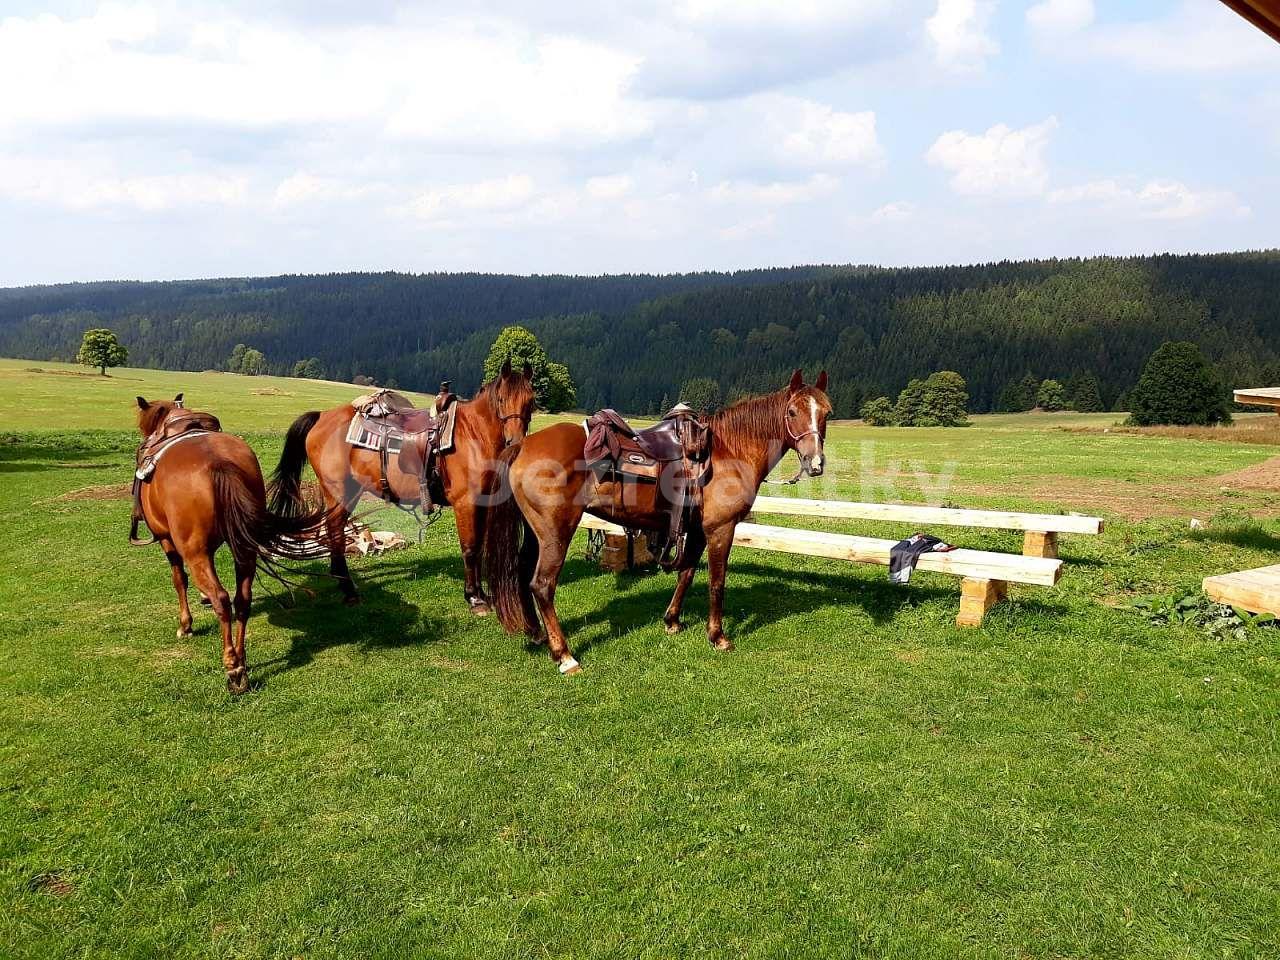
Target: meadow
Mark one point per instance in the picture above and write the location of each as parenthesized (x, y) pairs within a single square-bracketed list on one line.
[(859, 778)]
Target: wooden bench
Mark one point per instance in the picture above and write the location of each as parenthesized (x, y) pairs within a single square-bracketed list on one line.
[(1040, 537), (986, 575), (1258, 590)]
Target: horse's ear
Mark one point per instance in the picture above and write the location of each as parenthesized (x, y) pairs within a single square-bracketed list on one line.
[(797, 380), (528, 370), (142, 403), (821, 383), (506, 367)]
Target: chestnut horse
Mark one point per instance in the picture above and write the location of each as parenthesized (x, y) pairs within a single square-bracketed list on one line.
[(498, 415), (542, 487), (205, 490)]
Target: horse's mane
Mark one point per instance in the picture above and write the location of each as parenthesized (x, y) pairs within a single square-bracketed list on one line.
[(756, 420)]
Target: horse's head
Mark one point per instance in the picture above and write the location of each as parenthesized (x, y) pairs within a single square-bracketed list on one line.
[(152, 413), (806, 421), (514, 398)]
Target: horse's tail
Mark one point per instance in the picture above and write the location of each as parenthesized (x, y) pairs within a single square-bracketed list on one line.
[(255, 533), (509, 551), (285, 490)]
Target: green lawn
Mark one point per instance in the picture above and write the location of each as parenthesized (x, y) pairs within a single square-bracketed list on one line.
[(859, 779)]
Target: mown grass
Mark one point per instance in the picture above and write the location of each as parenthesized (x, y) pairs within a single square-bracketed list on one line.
[(860, 778)]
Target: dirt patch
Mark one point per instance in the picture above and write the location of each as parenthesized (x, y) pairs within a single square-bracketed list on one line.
[(1263, 430), (52, 883), (103, 491), (270, 392), (1261, 476)]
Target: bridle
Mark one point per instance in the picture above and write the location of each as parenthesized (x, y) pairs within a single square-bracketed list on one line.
[(502, 422), (797, 437)]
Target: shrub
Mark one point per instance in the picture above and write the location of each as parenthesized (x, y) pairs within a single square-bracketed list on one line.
[(878, 412)]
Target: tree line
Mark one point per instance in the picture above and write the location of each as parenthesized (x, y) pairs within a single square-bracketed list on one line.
[(1074, 332)]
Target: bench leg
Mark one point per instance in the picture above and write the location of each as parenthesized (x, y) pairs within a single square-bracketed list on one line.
[(976, 598), (1040, 545)]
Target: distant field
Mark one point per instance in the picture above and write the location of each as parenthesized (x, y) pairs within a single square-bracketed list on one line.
[(859, 779)]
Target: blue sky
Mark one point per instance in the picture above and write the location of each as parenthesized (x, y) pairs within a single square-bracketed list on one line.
[(166, 140)]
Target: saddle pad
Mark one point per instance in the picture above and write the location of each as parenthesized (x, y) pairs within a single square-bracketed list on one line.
[(370, 433)]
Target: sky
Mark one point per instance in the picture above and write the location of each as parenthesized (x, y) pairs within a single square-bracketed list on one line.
[(161, 140)]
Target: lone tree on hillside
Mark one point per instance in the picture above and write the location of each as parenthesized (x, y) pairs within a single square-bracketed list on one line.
[(253, 364), (1178, 386), (101, 348), (551, 381), (1051, 396), (701, 393), (940, 401)]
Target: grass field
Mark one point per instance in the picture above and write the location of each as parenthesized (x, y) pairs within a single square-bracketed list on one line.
[(859, 779)]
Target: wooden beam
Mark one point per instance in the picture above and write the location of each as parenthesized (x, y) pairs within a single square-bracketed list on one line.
[(1263, 14), (1036, 544), (927, 516), (1256, 590), (976, 598), (1259, 396), (975, 564)]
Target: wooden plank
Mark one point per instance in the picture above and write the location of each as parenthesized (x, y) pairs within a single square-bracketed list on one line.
[(1256, 590), (977, 564), (1259, 396), (926, 516)]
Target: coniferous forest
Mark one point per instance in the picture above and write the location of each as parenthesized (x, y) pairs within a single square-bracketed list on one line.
[(632, 341)]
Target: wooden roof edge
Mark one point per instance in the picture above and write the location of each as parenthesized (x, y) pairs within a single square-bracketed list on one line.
[(1263, 14)]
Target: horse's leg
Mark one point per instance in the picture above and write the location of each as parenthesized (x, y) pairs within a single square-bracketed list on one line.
[(206, 577), (719, 541), (339, 513), (180, 585), (467, 518), (693, 548), (245, 572), (551, 556)]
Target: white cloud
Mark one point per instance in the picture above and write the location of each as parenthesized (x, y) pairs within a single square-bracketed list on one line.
[(958, 32), (609, 188), (778, 193), (503, 193), (1193, 37), (1156, 199), (814, 134), (1000, 162), (893, 212), (1051, 19), (84, 182)]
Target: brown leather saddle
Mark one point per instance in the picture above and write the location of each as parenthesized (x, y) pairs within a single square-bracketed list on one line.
[(388, 423), (674, 453), (181, 424)]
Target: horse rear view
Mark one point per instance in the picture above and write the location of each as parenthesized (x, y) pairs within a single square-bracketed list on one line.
[(197, 488)]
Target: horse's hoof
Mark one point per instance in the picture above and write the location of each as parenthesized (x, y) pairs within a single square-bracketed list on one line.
[(569, 666), (205, 601), (184, 632), (480, 608), (238, 682), (723, 644), (673, 626)]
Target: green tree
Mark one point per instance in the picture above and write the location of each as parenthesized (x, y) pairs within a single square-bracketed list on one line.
[(945, 400), (237, 358), (1019, 395), (101, 348), (518, 345), (254, 363), (1178, 386), (309, 369), (909, 409), (552, 383), (878, 412), (1087, 395), (701, 393), (561, 393), (1051, 396)]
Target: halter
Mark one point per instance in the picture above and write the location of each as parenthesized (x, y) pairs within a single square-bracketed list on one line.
[(797, 437)]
